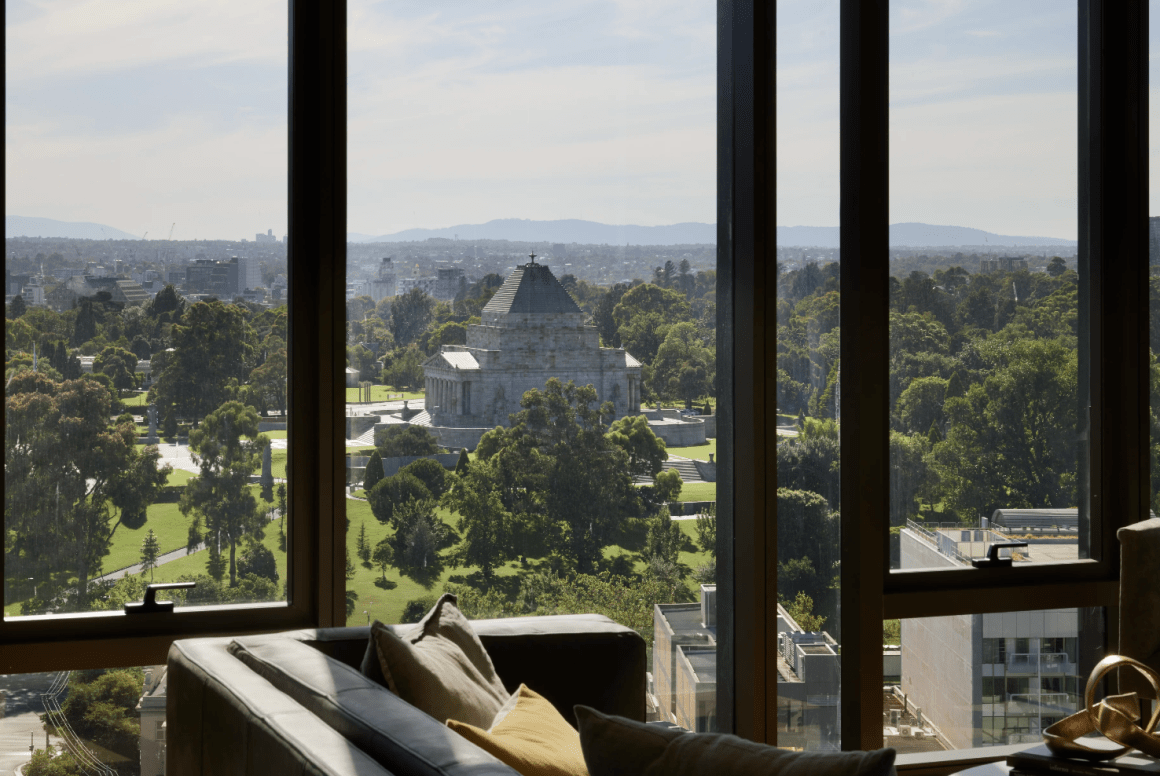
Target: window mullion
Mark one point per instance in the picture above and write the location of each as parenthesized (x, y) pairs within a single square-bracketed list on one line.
[(318, 304), (864, 354)]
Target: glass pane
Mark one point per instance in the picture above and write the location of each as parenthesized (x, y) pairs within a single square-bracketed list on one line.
[(987, 354), (531, 308), (84, 721), (145, 369), (808, 377), (985, 679)]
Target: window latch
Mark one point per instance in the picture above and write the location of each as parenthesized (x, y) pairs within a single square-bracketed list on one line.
[(151, 604), (993, 560)]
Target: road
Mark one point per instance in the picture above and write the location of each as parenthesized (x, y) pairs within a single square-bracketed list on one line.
[(21, 718)]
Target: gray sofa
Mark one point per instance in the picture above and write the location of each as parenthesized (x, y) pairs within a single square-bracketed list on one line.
[(298, 703)]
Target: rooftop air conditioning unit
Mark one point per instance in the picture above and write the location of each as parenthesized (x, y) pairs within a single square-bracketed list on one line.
[(904, 730), (709, 606), (918, 732)]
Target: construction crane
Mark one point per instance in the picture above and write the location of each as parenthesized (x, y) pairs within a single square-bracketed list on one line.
[(145, 235), (171, 230)]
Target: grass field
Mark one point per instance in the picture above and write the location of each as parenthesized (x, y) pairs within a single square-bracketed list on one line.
[(698, 491), (383, 393), (134, 399), (700, 452), (167, 522)]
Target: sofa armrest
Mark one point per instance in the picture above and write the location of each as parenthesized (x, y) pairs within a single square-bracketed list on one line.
[(570, 659), (222, 718)]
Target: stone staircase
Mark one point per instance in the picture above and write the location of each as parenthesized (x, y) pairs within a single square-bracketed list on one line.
[(688, 471)]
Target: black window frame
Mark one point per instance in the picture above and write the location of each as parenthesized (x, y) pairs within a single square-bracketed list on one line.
[(1113, 210), (317, 358)]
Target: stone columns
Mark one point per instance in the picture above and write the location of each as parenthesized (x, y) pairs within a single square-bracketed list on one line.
[(459, 398)]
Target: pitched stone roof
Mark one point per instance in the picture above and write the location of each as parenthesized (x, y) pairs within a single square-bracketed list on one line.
[(532, 288)]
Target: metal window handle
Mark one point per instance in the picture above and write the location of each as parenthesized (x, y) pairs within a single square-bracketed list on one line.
[(993, 560), (151, 604)]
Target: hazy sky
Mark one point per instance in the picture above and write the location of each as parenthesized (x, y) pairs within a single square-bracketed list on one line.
[(144, 114), (139, 115)]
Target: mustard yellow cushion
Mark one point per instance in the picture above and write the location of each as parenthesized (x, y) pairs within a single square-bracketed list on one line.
[(530, 736)]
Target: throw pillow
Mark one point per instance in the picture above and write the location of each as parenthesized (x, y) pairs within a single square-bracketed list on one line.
[(606, 740), (530, 735), (441, 667)]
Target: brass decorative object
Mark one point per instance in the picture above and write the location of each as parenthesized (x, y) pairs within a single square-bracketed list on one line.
[(1116, 717)]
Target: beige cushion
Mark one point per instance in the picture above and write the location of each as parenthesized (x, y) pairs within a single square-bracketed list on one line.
[(615, 746), (441, 667), (529, 734)]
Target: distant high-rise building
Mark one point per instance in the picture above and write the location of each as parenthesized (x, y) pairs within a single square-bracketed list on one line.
[(385, 284), (268, 237), (447, 283)]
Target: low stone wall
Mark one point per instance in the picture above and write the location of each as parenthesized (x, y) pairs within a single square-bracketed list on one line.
[(682, 432), (269, 425), (708, 471), (710, 422)]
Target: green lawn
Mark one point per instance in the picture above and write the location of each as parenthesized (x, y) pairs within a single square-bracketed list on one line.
[(134, 399), (383, 393), (698, 491), (700, 452), (194, 564), (167, 522)]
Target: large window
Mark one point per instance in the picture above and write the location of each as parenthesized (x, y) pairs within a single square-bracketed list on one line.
[(1111, 193), (532, 397)]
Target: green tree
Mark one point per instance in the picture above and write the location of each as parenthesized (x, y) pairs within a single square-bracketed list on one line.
[(102, 707), (120, 365), (645, 450), (258, 560), (374, 471), (404, 368), (921, 404), (384, 556), (393, 492), (364, 547), (150, 550), (667, 486), (419, 536), (431, 473), (400, 440), (268, 381), (49, 762), (228, 449), (643, 315), (484, 523), (589, 490), (706, 528), (462, 463), (1056, 267), (801, 609), (606, 324), (211, 345), (68, 476), (410, 314), (16, 307), (1012, 438), (683, 367)]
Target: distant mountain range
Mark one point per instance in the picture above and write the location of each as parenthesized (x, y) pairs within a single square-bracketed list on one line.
[(27, 226), (909, 235), (569, 230), (912, 235)]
